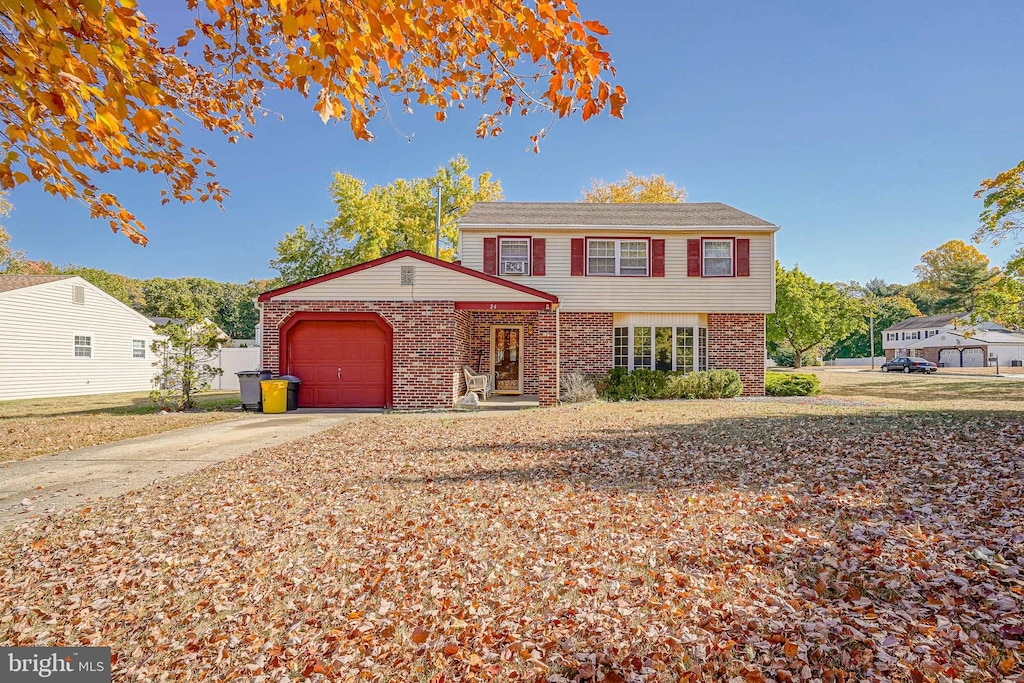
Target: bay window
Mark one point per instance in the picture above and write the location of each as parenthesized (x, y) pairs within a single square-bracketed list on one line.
[(617, 257), (680, 349)]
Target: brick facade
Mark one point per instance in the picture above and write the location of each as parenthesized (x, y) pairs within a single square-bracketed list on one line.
[(587, 341), (431, 343), (539, 335), (736, 341), (426, 365)]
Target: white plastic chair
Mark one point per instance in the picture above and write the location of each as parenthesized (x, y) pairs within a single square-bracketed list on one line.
[(476, 383)]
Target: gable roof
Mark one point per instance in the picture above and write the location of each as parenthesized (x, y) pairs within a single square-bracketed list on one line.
[(580, 214), (11, 282), (925, 321), (267, 296)]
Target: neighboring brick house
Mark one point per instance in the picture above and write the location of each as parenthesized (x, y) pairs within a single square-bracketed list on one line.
[(952, 340), (542, 289)]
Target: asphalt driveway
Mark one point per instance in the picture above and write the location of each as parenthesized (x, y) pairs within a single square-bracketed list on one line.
[(48, 483)]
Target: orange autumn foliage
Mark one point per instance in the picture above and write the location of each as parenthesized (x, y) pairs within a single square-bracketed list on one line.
[(89, 88)]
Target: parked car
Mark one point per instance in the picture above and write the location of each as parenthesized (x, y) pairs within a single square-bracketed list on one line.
[(911, 364)]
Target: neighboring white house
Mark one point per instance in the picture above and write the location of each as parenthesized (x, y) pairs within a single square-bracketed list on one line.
[(951, 340), (61, 336)]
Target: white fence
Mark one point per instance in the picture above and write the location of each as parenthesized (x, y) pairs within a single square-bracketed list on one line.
[(231, 361), (855, 361)]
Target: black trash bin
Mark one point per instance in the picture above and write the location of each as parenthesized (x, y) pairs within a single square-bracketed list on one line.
[(293, 390), (249, 388)]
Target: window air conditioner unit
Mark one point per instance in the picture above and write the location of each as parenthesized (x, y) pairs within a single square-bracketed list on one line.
[(513, 268)]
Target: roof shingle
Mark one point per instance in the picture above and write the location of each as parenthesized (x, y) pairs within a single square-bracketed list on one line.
[(12, 282), (685, 215)]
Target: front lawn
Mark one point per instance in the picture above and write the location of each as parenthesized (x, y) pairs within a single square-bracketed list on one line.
[(667, 541), (38, 426)]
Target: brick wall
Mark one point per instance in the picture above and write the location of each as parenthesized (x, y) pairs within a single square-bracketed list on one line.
[(481, 345), (587, 342), (427, 358), (736, 342)]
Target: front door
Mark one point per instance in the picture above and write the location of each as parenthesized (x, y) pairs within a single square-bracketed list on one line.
[(507, 359)]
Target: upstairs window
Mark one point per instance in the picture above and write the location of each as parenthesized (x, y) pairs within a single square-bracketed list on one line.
[(78, 295), (514, 256), (138, 348), (617, 257), (717, 258)]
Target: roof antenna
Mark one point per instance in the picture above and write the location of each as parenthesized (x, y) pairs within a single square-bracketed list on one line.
[(437, 230)]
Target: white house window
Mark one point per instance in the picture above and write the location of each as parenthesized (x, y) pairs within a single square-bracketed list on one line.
[(680, 349), (83, 346), (718, 258), (617, 257), (621, 347), (78, 295), (514, 256), (138, 348)]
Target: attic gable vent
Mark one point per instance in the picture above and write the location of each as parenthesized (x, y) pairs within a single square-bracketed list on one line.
[(408, 276), (78, 294)]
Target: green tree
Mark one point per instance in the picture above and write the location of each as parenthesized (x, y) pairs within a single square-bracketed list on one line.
[(384, 219), (889, 310), (954, 273), (1003, 301), (1003, 197), (652, 189), (178, 298), (810, 314), (183, 360)]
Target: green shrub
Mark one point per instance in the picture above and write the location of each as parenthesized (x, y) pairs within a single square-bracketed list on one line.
[(791, 384), (639, 385), (706, 384)]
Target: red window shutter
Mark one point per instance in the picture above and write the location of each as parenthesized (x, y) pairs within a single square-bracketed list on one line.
[(577, 256), (539, 251), (657, 258), (693, 258), (743, 258), (491, 255)]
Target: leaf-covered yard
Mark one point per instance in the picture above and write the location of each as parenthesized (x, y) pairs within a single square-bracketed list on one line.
[(764, 540)]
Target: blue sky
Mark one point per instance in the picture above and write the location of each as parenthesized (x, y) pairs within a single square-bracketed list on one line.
[(861, 128)]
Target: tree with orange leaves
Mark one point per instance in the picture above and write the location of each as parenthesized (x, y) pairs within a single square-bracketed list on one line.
[(88, 88)]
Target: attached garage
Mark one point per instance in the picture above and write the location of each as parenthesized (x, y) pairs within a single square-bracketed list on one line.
[(967, 357), (399, 331), (344, 359)]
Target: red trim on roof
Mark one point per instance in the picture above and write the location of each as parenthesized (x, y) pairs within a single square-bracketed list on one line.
[(267, 296), (502, 306)]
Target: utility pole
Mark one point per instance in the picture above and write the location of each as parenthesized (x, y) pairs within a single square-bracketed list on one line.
[(872, 336), (437, 230)]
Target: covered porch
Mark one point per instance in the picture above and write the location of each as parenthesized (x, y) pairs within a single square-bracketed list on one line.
[(515, 344)]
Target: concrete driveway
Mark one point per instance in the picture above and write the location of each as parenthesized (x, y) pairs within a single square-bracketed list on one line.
[(47, 483)]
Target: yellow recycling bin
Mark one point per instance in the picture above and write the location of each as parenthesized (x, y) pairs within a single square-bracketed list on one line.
[(275, 395)]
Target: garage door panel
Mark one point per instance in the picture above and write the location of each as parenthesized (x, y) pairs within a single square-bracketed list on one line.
[(318, 349)]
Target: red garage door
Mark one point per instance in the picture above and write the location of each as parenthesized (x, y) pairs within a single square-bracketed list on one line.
[(341, 364)]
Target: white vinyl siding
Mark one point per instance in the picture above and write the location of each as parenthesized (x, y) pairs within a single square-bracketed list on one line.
[(433, 283), (674, 292), (37, 343)]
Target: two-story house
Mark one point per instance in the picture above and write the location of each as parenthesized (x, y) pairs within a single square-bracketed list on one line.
[(541, 289), (953, 340)]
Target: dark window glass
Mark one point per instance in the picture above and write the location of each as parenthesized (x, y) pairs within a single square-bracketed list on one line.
[(621, 347), (641, 347), (663, 348)]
